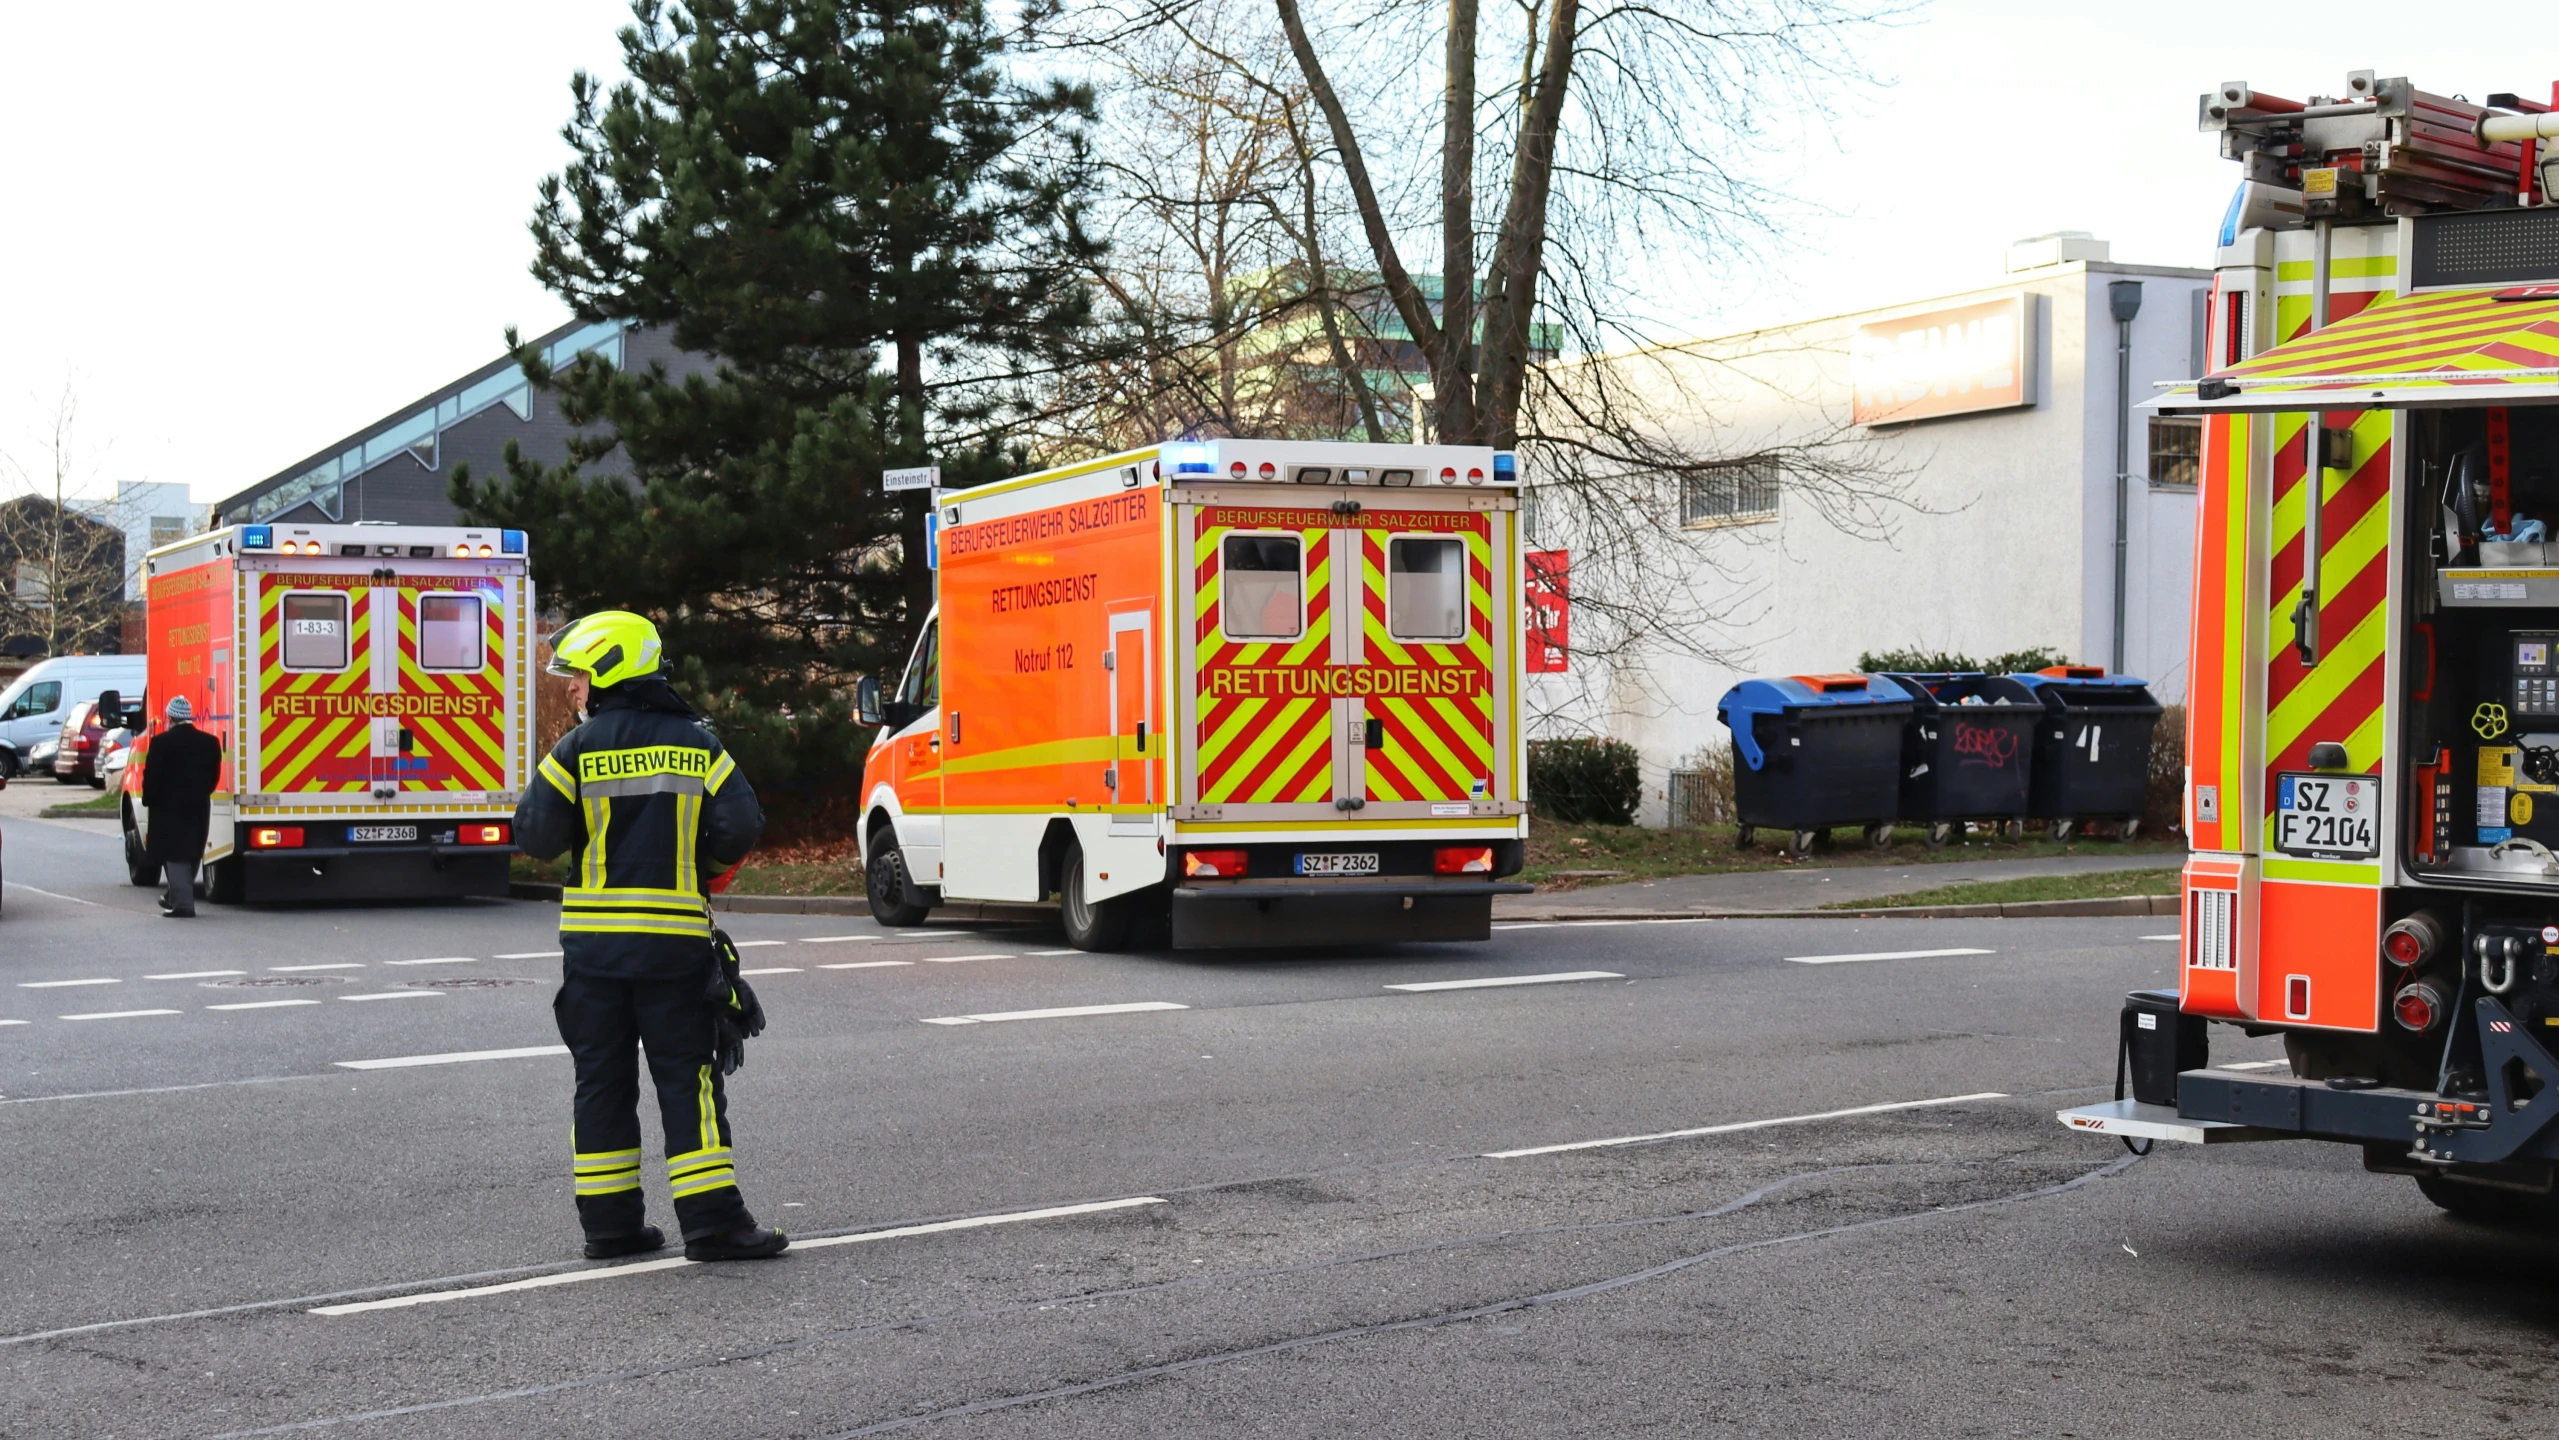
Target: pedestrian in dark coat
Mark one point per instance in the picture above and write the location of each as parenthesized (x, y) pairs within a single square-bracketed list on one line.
[(180, 771)]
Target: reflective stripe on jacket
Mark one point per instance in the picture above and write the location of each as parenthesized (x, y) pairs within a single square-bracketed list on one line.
[(651, 807)]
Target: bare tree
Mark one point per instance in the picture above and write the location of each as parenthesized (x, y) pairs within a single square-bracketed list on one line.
[(62, 554)]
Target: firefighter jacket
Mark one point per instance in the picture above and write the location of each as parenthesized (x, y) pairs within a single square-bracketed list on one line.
[(651, 807)]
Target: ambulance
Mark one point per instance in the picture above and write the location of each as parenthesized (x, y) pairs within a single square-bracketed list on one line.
[(1230, 693), (372, 688), (2373, 712)]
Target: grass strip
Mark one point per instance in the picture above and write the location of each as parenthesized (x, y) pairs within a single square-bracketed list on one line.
[(2094, 885)]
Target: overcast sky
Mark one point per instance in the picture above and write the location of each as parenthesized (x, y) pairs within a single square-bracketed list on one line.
[(237, 233)]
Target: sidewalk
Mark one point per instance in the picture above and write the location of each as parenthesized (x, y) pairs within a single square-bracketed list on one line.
[(1765, 892)]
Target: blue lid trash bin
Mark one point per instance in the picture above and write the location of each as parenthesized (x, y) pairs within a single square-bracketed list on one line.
[(1967, 751), (2092, 753), (1815, 751)]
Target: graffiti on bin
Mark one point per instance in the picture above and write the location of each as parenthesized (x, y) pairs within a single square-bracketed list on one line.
[(1987, 746)]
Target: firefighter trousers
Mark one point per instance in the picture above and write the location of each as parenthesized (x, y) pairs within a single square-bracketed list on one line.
[(606, 1023)]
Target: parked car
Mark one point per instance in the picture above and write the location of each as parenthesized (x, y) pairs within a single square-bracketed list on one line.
[(35, 704), (75, 751), (114, 753)]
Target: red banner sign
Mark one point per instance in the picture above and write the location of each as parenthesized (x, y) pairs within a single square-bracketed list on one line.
[(1550, 610)]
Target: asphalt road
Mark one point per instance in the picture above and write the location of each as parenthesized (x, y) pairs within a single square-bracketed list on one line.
[(1289, 1210)]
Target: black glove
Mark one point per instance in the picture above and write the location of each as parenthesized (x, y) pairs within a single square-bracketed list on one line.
[(736, 1015)]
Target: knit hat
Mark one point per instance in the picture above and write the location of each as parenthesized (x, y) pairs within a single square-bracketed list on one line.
[(180, 710)]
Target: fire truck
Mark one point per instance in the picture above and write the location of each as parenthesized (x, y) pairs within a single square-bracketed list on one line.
[(2373, 713), (371, 686), (1258, 692)]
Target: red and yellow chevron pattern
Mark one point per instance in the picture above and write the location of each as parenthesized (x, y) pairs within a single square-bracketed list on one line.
[(316, 729), (1439, 746), (2460, 340), (2340, 698), (1254, 750)]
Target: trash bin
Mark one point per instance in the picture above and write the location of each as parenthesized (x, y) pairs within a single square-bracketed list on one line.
[(1815, 751), (1967, 751), (2092, 753)]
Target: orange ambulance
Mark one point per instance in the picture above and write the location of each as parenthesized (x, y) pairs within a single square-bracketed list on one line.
[(1264, 692)]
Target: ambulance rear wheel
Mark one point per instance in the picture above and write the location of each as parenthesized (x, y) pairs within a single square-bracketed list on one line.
[(1091, 924), (226, 882), (2487, 1204), (892, 892)]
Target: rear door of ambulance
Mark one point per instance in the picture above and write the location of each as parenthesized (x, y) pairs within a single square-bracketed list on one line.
[(390, 684), (1348, 667)]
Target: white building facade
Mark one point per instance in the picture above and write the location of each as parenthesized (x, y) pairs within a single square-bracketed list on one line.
[(1987, 420)]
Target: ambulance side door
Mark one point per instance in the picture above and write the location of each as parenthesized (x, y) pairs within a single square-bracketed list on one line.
[(915, 760)]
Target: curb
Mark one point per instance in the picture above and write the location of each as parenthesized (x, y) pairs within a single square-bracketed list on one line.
[(73, 812), (2122, 905)]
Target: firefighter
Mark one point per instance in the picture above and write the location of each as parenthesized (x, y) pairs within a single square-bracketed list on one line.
[(650, 804)]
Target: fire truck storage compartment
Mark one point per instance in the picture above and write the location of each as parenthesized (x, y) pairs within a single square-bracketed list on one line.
[(2092, 753), (1815, 751), (2482, 673), (1966, 749)]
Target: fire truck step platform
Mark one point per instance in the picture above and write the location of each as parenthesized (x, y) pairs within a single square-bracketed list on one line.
[(2136, 1121)]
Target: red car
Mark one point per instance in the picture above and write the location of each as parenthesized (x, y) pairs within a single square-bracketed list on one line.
[(84, 734)]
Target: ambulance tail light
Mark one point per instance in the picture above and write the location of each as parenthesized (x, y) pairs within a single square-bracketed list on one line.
[(461, 551), (1463, 860), (1474, 477), (1212, 864), (2418, 1006), (1447, 475), (276, 837), (2413, 941), (485, 834), (1237, 470)]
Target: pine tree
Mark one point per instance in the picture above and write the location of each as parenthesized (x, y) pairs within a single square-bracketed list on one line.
[(865, 229)]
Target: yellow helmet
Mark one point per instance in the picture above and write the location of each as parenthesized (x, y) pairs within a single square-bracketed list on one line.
[(608, 647)]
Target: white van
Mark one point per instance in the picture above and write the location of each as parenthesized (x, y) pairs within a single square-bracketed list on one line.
[(36, 703)]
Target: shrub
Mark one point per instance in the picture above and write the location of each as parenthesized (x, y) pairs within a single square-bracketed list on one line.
[(1934, 662), (2164, 803), (1587, 780)]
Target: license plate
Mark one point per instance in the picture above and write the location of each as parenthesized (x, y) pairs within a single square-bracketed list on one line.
[(2328, 815), (1356, 863), (363, 834)]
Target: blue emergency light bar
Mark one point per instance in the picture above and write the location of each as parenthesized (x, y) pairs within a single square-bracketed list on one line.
[(257, 537), (1194, 459), (511, 542), (1505, 467)]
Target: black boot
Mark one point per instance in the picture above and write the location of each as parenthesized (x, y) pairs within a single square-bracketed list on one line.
[(747, 1242), (613, 1247)]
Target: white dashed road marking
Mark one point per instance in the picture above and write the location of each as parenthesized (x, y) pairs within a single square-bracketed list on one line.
[(1052, 952), (455, 1057), (60, 984), (1880, 955), (50, 895), (441, 960), (117, 1014), (863, 964), (334, 965), (864, 1237), (2162, 937), (530, 955), (773, 970), (956, 959), (752, 944), (261, 1004), (398, 995), (833, 939), (1745, 1125), (195, 975), (1493, 980), (12, 1022), (1066, 1013)]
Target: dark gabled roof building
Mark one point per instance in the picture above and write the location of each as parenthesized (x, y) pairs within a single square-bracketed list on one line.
[(398, 467)]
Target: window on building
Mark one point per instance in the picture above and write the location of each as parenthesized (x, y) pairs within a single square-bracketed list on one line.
[(2176, 450), (1260, 588), (1742, 492), (34, 582), (315, 632), (167, 530), (449, 632), (1426, 589)]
